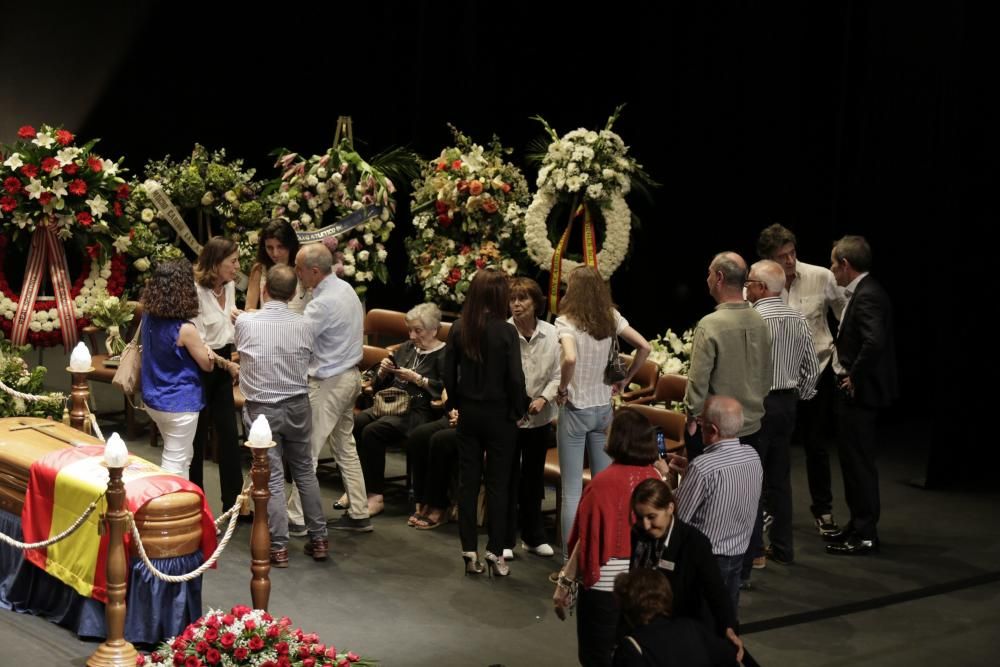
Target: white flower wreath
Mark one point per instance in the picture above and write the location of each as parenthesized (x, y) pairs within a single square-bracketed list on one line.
[(618, 225)]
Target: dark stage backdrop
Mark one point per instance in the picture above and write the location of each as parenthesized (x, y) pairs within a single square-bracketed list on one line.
[(830, 118)]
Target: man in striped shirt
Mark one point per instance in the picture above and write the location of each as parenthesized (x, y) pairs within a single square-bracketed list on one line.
[(796, 369), (275, 346), (721, 491)]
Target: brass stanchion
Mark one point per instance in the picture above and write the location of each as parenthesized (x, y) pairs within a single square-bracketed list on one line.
[(260, 535), (115, 651)]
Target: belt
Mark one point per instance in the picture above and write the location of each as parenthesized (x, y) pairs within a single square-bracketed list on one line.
[(782, 392)]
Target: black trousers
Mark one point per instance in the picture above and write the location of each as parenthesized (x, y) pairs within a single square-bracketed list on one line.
[(432, 450), (856, 428), (484, 428), (814, 424), (527, 486), (373, 435), (773, 443), (220, 413), (596, 627)]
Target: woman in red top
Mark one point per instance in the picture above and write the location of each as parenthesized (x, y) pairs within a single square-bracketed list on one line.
[(600, 541)]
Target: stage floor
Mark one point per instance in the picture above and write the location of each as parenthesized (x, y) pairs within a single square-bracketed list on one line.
[(398, 595)]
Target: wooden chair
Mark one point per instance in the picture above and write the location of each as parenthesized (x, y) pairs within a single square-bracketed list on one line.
[(553, 477), (646, 377), (443, 331), (385, 327), (670, 422), (669, 388)]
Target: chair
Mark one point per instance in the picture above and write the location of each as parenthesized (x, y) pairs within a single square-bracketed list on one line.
[(553, 477), (672, 424), (646, 377), (443, 331), (385, 327), (669, 388)]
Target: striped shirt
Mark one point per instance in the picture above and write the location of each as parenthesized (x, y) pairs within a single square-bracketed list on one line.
[(609, 571), (336, 318), (275, 346), (720, 493), (793, 357), (542, 372), (587, 388)]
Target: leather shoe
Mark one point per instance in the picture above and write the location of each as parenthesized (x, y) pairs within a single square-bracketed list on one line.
[(839, 536), (319, 549), (853, 546), (279, 557)]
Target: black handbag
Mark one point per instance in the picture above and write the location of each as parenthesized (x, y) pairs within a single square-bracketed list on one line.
[(615, 371)]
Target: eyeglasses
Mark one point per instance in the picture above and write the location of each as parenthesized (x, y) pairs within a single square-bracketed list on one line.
[(748, 283)]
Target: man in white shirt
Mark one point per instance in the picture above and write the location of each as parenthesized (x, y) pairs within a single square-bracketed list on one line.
[(813, 291), (336, 317)]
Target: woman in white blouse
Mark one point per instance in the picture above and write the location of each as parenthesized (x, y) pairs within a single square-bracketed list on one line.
[(586, 325), (217, 267)]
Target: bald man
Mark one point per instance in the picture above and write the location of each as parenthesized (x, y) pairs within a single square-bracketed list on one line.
[(731, 352), (721, 490), (795, 369)]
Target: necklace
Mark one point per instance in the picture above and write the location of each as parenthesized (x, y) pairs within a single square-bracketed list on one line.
[(218, 294)]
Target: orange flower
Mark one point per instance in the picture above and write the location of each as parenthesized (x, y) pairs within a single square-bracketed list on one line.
[(475, 188)]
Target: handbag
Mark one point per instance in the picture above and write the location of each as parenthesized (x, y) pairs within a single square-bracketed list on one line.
[(128, 376), (615, 370), (391, 402)]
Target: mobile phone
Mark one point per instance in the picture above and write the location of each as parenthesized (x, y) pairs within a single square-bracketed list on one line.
[(661, 443), (392, 360)]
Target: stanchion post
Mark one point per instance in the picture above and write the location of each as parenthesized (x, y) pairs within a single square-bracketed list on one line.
[(115, 651), (260, 535)]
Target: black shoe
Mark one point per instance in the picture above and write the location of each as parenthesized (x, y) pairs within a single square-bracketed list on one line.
[(745, 585), (853, 546), (839, 536), (778, 557), (826, 525)]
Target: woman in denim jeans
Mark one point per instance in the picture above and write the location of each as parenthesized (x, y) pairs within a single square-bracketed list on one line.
[(585, 326)]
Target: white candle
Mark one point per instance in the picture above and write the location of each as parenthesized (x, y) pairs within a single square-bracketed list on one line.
[(260, 432), (115, 452), (79, 360)]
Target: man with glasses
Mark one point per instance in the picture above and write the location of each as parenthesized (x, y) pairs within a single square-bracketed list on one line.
[(812, 291), (796, 368), (730, 354)]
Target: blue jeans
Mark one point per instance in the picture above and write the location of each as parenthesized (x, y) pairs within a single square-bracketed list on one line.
[(730, 567), (579, 429)]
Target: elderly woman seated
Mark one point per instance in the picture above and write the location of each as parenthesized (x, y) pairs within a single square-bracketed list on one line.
[(416, 369)]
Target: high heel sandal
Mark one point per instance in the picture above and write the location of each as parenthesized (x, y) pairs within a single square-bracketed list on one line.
[(472, 563), (496, 565)]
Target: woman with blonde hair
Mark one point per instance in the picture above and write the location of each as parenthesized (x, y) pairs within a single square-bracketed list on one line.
[(587, 326)]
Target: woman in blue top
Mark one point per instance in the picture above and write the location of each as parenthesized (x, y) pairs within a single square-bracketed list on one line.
[(172, 353)]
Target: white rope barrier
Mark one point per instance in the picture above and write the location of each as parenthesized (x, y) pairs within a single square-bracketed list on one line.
[(31, 397), (182, 578), (58, 538)]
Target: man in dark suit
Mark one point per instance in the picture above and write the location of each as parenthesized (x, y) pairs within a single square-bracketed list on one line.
[(866, 376)]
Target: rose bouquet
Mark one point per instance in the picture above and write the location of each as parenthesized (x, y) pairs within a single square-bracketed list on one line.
[(247, 636), (468, 212)]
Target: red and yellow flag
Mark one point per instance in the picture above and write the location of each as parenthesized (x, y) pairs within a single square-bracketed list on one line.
[(62, 485)]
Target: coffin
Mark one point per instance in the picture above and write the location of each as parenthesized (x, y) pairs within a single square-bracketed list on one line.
[(170, 525)]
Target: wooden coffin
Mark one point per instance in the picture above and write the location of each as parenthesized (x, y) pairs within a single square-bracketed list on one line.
[(170, 525)]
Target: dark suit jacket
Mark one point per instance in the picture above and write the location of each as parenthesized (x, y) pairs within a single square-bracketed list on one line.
[(865, 345)]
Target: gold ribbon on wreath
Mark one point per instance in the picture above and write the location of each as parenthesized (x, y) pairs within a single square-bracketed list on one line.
[(46, 252), (589, 252)]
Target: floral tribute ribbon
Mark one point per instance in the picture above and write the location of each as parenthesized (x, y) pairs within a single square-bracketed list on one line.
[(589, 253), (168, 211), (46, 252), (173, 216), (359, 217)]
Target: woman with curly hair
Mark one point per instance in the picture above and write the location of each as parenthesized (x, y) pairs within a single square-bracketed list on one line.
[(214, 272), (586, 327), (172, 353), (278, 244)]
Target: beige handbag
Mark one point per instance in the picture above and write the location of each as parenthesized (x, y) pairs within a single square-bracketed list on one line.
[(391, 402), (127, 377)]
